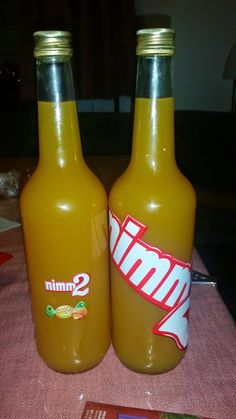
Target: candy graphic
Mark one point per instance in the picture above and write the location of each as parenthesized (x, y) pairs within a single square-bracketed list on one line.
[(80, 311), (63, 312), (50, 311), (66, 311)]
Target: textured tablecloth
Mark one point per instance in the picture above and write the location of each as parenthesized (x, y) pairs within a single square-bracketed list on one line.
[(203, 384)]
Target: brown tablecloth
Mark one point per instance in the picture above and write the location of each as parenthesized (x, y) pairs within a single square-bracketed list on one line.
[(203, 384)]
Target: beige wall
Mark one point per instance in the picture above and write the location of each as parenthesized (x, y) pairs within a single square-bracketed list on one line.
[(205, 32)]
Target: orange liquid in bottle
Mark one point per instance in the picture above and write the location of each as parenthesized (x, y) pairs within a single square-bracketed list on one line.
[(64, 216), (154, 192)]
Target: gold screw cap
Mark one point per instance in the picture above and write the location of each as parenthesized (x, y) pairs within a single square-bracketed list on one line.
[(48, 43), (159, 41)]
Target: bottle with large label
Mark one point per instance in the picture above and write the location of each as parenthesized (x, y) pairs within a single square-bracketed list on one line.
[(64, 217), (152, 216)]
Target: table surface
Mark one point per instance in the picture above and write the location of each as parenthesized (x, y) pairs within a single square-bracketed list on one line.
[(203, 384)]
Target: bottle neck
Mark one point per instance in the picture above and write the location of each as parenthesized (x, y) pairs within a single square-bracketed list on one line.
[(59, 136), (153, 134)]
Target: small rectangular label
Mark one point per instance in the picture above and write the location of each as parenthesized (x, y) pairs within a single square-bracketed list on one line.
[(94, 410)]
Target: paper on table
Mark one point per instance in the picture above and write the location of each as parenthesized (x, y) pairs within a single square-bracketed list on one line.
[(110, 411), (7, 224), (4, 257)]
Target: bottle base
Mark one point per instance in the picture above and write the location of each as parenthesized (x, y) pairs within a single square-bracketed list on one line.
[(148, 369), (72, 370), (73, 367)]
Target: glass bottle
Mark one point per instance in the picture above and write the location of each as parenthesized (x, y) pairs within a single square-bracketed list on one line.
[(64, 217), (152, 214)]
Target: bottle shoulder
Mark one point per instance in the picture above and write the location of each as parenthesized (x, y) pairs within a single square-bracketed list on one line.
[(152, 190), (152, 181), (81, 186)]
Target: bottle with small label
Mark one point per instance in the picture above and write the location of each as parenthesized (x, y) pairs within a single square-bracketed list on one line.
[(152, 216), (64, 217)]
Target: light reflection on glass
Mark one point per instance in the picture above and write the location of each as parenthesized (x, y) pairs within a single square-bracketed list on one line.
[(154, 136), (153, 165), (150, 352), (58, 118), (153, 205), (55, 83), (64, 206), (99, 234), (61, 161)]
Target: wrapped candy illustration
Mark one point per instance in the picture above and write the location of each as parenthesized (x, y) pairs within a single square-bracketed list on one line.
[(66, 311)]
